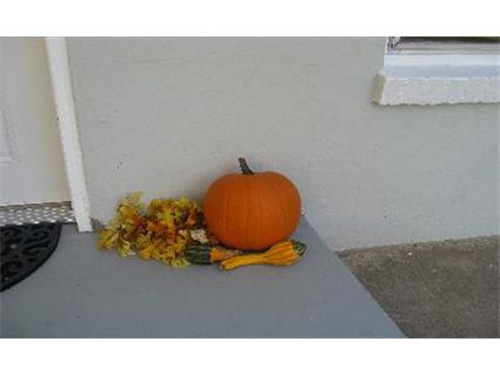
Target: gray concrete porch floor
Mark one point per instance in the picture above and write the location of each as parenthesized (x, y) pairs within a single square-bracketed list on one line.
[(82, 292), (435, 289)]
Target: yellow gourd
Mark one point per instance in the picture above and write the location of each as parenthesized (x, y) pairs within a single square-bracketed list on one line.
[(281, 254)]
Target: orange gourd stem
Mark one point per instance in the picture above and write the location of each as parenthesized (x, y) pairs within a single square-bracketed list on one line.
[(282, 254)]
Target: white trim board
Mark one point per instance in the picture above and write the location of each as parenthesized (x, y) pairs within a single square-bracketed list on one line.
[(57, 55), (6, 148), (6, 155)]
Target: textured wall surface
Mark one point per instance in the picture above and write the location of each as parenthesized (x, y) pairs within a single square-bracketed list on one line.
[(169, 115)]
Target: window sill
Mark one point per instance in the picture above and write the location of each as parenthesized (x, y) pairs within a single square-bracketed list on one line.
[(420, 80)]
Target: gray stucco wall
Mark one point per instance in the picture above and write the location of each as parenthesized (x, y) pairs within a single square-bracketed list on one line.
[(168, 115)]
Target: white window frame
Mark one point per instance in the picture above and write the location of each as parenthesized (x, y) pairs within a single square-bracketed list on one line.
[(431, 76)]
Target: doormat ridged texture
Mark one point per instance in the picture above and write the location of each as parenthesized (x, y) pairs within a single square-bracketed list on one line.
[(24, 248)]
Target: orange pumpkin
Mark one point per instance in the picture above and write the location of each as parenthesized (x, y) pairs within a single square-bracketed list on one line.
[(252, 211)]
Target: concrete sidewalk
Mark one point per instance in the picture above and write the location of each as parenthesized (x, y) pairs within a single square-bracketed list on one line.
[(436, 289)]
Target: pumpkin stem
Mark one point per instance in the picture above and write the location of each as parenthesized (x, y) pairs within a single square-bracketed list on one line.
[(245, 169)]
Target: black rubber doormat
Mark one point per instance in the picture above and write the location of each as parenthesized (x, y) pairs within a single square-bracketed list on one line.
[(24, 249)]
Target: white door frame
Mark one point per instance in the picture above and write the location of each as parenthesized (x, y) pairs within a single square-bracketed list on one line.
[(57, 56)]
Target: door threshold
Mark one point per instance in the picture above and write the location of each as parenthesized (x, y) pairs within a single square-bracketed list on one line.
[(35, 213)]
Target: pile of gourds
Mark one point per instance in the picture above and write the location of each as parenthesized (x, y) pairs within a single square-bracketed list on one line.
[(246, 219)]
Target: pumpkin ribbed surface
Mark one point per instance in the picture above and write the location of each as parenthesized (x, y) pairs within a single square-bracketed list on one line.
[(252, 211)]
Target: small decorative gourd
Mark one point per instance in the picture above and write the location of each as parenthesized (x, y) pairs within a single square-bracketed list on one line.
[(206, 254), (282, 254), (252, 211)]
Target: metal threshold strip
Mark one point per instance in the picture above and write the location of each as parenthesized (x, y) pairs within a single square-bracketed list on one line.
[(60, 212)]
